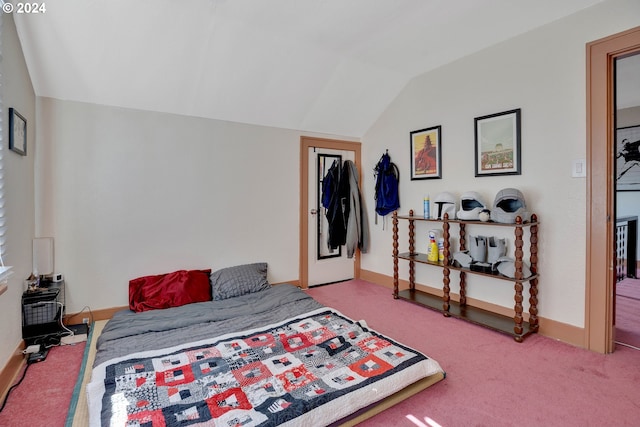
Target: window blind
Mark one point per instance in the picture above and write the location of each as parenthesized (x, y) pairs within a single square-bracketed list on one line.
[(4, 270)]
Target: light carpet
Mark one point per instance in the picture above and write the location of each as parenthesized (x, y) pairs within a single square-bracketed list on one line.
[(627, 326), (629, 288), (491, 379)]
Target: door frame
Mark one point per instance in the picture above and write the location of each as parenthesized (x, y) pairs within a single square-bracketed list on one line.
[(600, 259), (307, 142)]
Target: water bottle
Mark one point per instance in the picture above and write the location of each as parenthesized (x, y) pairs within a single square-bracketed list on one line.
[(426, 206)]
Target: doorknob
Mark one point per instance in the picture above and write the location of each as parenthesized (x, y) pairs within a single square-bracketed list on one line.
[(313, 212)]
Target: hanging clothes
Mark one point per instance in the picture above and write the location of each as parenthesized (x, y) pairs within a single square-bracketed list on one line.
[(332, 200), (330, 183), (357, 230), (346, 214)]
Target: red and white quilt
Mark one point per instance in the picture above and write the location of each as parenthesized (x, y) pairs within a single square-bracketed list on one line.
[(312, 369)]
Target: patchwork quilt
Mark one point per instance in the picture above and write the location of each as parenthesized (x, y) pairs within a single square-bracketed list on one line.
[(312, 369)]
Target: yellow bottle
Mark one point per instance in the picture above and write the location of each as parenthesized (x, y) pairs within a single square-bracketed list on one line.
[(433, 251)]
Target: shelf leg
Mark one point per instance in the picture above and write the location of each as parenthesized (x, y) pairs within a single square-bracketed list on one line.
[(533, 305), (462, 243), (533, 283), (463, 289), (517, 329), (395, 255), (412, 250), (446, 297)]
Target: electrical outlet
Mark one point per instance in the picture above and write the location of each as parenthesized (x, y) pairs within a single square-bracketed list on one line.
[(85, 320)]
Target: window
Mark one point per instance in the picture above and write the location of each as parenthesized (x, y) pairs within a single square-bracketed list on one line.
[(5, 271)]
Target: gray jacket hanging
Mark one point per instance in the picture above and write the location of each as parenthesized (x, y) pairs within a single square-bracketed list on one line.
[(357, 222)]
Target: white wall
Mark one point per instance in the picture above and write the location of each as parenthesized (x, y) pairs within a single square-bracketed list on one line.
[(17, 92), (543, 73), (127, 193)]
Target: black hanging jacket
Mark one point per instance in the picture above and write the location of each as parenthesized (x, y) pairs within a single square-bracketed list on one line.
[(337, 196)]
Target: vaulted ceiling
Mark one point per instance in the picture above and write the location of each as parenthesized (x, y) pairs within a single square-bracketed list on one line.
[(329, 66)]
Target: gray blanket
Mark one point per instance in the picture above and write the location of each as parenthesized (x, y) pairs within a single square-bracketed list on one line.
[(129, 332)]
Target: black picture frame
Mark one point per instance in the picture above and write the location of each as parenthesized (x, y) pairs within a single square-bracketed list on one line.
[(497, 144), (426, 153), (17, 132)]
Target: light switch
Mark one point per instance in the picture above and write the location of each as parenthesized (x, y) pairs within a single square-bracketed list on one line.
[(579, 169)]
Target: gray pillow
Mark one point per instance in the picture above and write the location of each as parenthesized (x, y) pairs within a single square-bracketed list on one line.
[(239, 280)]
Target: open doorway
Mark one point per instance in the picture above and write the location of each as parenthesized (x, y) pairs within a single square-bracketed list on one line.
[(601, 214), (627, 199)]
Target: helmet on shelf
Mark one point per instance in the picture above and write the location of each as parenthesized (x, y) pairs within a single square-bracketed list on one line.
[(444, 203), (508, 205), (471, 205)]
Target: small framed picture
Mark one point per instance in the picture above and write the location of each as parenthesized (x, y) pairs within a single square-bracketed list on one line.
[(426, 153), (17, 132), (498, 144)]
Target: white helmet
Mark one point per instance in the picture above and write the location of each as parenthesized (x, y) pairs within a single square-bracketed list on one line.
[(471, 205), (444, 203), (508, 205)]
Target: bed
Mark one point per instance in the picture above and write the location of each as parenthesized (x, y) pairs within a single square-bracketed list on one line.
[(253, 355)]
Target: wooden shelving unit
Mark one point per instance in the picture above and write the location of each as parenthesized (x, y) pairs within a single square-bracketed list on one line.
[(516, 326)]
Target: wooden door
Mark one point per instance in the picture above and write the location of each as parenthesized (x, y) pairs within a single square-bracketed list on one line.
[(600, 274), (308, 220)]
